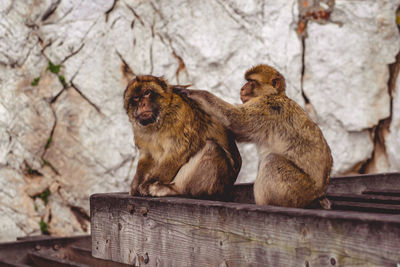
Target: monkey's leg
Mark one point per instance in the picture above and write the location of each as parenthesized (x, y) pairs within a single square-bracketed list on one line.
[(280, 182), (182, 180), (208, 173)]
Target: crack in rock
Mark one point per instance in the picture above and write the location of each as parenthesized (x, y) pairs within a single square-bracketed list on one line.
[(81, 216), (86, 98), (107, 13), (379, 133), (50, 10), (303, 68), (73, 53), (136, 15)]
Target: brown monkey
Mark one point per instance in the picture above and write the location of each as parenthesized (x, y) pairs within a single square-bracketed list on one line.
[(183, 151), (294, 159)]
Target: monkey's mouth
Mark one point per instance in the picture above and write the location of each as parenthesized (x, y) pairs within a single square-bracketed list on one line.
[(245, 98), (147, 117)]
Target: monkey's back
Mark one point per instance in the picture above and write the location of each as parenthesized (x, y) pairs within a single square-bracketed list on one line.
[(193, 127), (293, 134), (196, 123)]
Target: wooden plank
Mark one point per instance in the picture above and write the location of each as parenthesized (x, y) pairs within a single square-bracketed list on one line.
[(6, 263), (16, 252), (386, 192), (189, 232), (366, 207), (379, 183), (243, 193), (35, 237), (84, 255), (366, 182), (42, 260), (365, 198)]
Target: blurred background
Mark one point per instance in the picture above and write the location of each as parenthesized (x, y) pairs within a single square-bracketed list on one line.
[(64, 65)]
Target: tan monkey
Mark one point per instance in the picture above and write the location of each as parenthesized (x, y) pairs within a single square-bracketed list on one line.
[(294, 158), (183, 151)]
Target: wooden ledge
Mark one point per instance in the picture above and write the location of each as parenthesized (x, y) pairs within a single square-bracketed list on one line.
[(192, 232)]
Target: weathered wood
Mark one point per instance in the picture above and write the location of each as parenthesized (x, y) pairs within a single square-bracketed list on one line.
[(368, 198), (367, 207), (388, 192), (84, 255), (365, 198), (43, 260), (16, 252), (7, 263), (48, 251), (189, 232), (366, 182), (378, 184)]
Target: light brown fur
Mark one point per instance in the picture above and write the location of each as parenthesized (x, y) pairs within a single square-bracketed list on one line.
[(183, 151), (294, 158)]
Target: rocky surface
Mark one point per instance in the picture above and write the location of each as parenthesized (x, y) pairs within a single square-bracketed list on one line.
[(392, 141), (346, 75), (63, 131)]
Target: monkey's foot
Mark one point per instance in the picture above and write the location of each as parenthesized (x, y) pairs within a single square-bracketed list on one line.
[(161, 190), (325, 203)]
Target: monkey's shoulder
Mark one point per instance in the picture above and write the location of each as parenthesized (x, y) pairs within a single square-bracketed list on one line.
[(270, 106)]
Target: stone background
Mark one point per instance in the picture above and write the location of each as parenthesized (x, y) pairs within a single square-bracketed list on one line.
[(65, 136)]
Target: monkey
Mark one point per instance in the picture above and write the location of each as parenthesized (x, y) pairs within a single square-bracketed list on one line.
[(182, 149), (295, 160)]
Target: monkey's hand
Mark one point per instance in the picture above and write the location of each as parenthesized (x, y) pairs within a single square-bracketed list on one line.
[(143, 189), (134, 187)]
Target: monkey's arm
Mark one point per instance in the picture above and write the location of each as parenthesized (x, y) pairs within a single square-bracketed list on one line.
[(234, 118), (145, 164)]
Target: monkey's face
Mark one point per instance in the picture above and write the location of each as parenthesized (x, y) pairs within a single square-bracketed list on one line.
[(262, 80), (144, 98), (247, 91)]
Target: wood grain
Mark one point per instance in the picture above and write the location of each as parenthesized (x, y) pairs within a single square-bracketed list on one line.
[(190, 232)]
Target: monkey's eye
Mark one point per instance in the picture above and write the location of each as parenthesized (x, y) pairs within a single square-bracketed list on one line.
[(147, 93), (252, 83), (274, 82), (135, 98)]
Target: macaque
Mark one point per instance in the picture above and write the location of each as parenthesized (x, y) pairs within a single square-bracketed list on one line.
[(294, 158), (182, 149)]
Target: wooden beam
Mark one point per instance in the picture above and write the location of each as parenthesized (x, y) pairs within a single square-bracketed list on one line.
[(387, 192), (367, 182), (381, 184), (43, 260), (187, 232), (17, 252), (84, 255), (365, 198)]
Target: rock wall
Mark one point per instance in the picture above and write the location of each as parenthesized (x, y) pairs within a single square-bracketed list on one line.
[(64, 65)]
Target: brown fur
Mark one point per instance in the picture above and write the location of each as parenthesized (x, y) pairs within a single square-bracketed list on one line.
[(183, 151), (295, 160)]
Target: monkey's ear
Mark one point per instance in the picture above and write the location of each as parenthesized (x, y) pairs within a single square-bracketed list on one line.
[(276, 83), (125, 101), (162, 82), (180, 87)]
